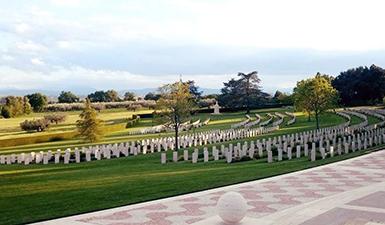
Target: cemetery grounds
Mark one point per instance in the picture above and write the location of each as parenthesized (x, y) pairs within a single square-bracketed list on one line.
[(30, 193)]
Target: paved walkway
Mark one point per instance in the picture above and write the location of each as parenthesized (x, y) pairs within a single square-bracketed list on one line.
[(347, 192)]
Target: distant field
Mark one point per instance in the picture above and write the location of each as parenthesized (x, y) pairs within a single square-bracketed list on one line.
[(10, 128)]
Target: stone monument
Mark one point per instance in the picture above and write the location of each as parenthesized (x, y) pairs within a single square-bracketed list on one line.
[(216, 108)]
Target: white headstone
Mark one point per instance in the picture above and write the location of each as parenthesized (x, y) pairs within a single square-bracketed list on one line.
[(298, 152), (185, 155), (269, 156), (175, 156), (195, 157), (163, 158), (205, 155)]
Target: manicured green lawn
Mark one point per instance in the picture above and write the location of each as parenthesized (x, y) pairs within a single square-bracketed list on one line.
[(40, 192)]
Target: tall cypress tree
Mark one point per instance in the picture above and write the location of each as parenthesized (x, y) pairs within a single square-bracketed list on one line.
[(89, 126)]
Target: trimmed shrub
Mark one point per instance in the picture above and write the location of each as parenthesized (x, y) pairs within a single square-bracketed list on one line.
[(55, 118), (39, 125)]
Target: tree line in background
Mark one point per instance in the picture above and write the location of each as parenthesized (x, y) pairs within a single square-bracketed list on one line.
[(357, 86), (361, 86)]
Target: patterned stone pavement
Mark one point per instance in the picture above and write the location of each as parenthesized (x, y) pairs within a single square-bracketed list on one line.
[(347, 192)]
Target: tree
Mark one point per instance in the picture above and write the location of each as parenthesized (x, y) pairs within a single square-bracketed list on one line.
[(67, 97), (15, 106), (98, 96), (55, 118), (129, 96), (243, 92), (102, 96), (277, 95), (152, 96), (175, 105), (89, 126), (112, 96), (6, 112), (27, 108), (250, 83), (361, 86), (283, 98), (315, 95), (196, 95), (37, 101)]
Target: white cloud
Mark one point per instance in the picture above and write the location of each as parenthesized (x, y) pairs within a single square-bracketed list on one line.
[(37, 62), (71, 3), (30, 46), (7, 58), (96, 34), (63, 44), (22, 28)]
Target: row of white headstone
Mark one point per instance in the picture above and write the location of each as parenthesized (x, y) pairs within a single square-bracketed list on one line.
[(249, 123), (327, 143), (363, 117), (346, 116), (280, 120), (255, 122), (166, 127), (241, 124), (268, 121), (134, 148), (380, 114), (292, 120), (303, 138)]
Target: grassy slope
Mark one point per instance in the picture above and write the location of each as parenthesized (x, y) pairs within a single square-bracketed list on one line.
[(49, 191)]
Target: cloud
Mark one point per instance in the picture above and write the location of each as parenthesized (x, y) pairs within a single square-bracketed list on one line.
[(22, 28), (64, 78), (30, 46), (71, 3), (83, 80), (144, 44), (37, 61), (7, 58)]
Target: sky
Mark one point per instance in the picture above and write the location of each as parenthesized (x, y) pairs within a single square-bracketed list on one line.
[(83, 45)]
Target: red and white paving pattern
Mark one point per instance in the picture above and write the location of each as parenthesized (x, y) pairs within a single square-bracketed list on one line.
[(347, 192)]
